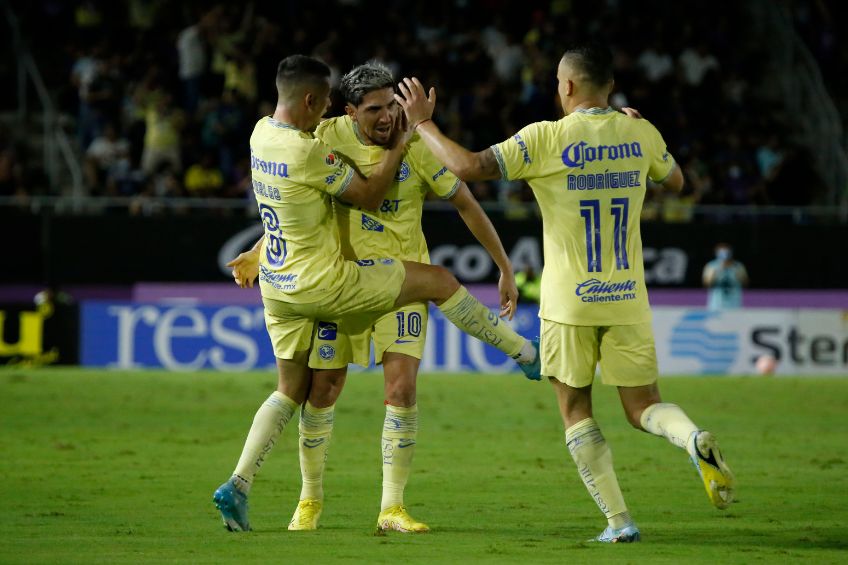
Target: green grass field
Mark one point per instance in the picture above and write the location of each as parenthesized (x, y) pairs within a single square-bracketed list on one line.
[(119, 467)]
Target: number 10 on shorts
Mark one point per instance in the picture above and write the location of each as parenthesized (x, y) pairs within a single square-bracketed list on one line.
[(410, 322)]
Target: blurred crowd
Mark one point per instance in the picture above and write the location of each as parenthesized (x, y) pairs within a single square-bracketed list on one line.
[(162, 96)]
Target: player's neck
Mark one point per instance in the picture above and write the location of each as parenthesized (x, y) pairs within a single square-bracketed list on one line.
[(588, 103), (286, 116), (363, 139)]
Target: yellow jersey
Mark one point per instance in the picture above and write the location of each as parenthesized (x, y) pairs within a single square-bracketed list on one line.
[(588, 172), (294, 178), (394, 229)]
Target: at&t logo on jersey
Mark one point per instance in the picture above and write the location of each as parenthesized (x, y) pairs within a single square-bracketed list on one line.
[(578, 154), (403, 172)]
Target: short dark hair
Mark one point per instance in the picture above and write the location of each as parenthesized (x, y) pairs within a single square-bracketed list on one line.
[(593, 61), (363, 79), (297, 70)]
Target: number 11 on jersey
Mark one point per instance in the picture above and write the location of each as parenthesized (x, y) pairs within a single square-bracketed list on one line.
[(590, 211)]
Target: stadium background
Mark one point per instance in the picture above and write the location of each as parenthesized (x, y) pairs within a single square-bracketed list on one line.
[(124, 161), (124, 188)]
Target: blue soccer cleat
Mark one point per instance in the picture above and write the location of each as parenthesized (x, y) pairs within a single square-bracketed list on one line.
[(533, 371), (627, 534), (232, 504)]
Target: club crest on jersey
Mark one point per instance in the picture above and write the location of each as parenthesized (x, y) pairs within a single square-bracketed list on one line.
[(370, 224), (403, 172), (326, 352), (327, 331), (331, 159)]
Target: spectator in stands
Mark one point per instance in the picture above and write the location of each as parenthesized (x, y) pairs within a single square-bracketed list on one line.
[(101, 156), (191, 55), (162, 137), (724, 277), (204, 178)]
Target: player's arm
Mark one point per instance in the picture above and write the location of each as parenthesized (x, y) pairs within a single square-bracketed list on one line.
[(246, 266), (483, 230), (369, 192), (465, 164), (674, 181)]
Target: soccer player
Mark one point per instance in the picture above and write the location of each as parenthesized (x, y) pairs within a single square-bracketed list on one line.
[(305, 279), (588, 172), (392, 230)]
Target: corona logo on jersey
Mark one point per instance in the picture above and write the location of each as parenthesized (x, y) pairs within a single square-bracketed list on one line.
[(272, 168), (577, 154)]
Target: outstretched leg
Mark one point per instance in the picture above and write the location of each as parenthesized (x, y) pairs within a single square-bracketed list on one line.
[(433, 283), (646, 411)]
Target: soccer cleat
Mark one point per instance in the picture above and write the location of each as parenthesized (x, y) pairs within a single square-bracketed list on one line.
[(533, 371), (233, 506), (398, 519), (627, 534), (306, 515), (717, 477)]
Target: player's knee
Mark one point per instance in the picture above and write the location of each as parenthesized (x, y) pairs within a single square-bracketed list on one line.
[(326, 388), (444, 282), (401, 394)]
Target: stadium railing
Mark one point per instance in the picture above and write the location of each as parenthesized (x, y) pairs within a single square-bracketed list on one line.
[(57, 148), (143, 205)]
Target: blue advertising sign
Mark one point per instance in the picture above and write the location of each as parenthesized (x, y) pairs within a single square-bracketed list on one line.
[(187, 337)]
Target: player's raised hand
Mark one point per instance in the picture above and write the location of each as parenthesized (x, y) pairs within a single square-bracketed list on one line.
[(245, 268), (632, 112), (508, 291), (416, 103), (401, 132)]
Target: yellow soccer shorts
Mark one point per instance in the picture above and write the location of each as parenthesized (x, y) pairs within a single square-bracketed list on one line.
[(626, 354), (348, 339), (370, 289)]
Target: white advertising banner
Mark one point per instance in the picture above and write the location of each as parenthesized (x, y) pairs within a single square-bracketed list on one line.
[(698, 342)]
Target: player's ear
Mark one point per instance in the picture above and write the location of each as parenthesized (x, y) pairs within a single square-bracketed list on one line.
[(350, 110)]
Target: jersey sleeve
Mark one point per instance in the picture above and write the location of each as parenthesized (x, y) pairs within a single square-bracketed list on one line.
[(661, 162), (437, 177), (519, 156), (326, 170)]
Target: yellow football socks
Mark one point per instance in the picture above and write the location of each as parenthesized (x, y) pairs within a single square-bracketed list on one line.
[(267, 426), (400, 429), (593, 457), (669, 421), (472, 317), (316, 428)]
